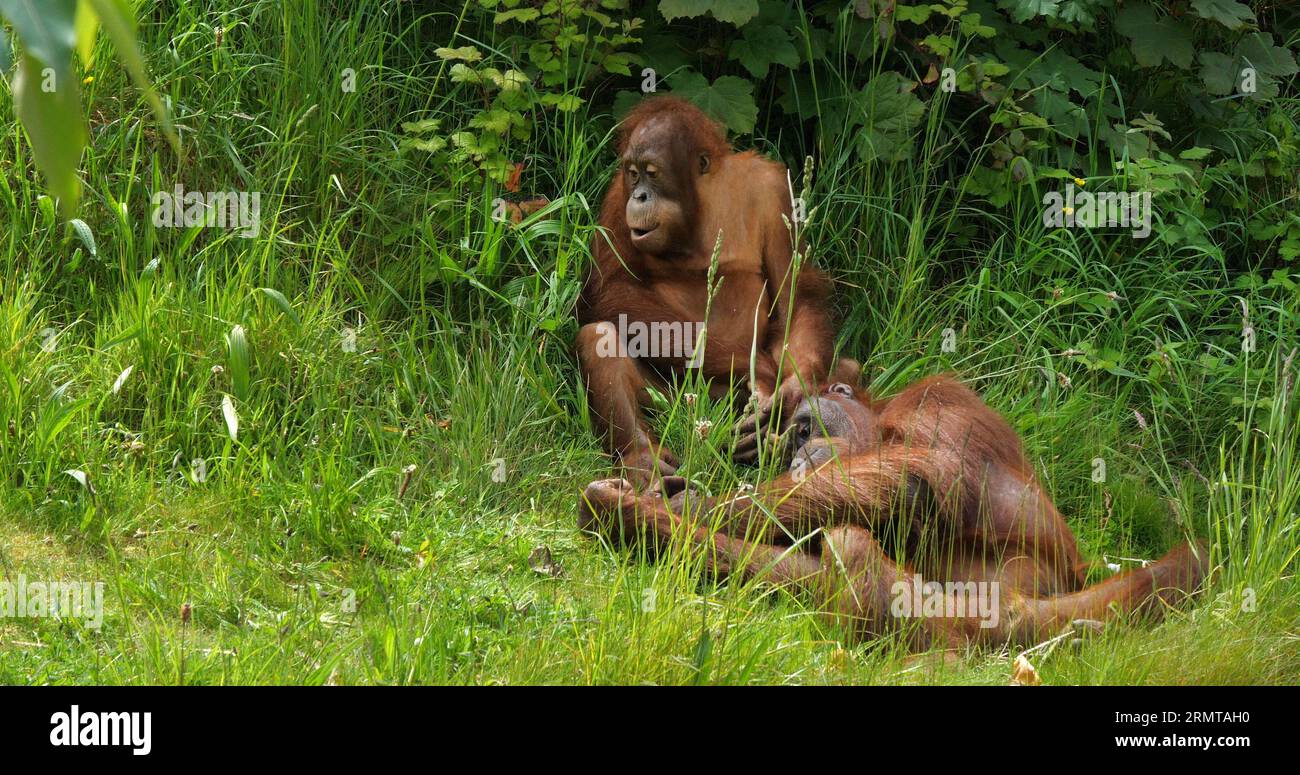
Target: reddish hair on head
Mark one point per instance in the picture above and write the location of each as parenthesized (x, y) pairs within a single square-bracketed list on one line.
[(705, 134)]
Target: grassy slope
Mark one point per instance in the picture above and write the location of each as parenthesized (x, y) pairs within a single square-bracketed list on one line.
[(302, 513)]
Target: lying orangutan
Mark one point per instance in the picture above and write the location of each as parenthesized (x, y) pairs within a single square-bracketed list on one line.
[(885, 498)]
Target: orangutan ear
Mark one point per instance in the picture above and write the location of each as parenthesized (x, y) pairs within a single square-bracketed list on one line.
[(840, 389), (704, 163)]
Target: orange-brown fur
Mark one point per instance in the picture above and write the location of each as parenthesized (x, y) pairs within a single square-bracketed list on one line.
[(944, 480), (741, 196)]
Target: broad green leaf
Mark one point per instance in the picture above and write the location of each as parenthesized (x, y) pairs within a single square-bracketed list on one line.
[(46, 30), (467, 53), (466, 141), (238, 361), (1195, 154), (1260, 53), (624, 101), (87, 25), (461, 73), (422, 126), (517, 15), (55, 126), (119, 23), (565, 103), (569, 37), (84, 234), (940, 45), (1024, 10), (1081, 12), (1155, 40), (431, 145), (1229, 13), (1075, 74), (736, 12), (1266, 88), (990, 184), (889, 111), (684, 9), (53, 120), (916, 14), (495, 120), (513, 79), (1064, 116), (665, 53), (618, 63), (1218, 72), (1136, 145), (729, 99), (541, 54), (602, 19), (762, 45), (972, 26)]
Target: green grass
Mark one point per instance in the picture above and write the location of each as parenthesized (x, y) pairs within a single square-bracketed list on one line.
[(304, 559)]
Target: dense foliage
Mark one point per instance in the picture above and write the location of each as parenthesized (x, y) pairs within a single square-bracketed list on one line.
[(348, 446)]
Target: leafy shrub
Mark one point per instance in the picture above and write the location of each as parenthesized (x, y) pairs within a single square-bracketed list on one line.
[(565, 43), (1177, 99)]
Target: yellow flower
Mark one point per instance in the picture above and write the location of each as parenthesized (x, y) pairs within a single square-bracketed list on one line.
[(1080, 182), (89, 79), (1068, 210)]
